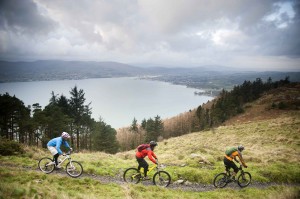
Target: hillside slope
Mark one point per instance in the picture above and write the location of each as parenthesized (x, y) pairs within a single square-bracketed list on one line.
[(272, 104)]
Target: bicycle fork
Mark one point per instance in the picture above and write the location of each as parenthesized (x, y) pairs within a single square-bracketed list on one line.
[(72, 167)]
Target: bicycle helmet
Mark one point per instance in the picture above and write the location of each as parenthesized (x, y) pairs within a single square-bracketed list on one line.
[(65, 135), (153, 143), (241, 148)]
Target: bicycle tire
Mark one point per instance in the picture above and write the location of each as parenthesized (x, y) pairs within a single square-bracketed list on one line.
[(162, 178), (244, 179), (75, 169), (44, 167), (132, 175), (220, 180)]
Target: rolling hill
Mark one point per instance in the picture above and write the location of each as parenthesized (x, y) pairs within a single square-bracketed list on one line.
[(211, 78)]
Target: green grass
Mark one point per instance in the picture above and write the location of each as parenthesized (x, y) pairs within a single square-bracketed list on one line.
[(271, 192), (17, 183)]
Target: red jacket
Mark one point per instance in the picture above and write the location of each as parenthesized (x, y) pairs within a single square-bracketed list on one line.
[(146, 152)]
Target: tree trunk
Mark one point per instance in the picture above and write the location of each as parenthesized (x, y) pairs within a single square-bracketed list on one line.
[(77, 135)]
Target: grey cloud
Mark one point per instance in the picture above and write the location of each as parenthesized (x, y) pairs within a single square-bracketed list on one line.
[(280, 41), (84, 16), (182, 31), (173, 16), (24, 17)]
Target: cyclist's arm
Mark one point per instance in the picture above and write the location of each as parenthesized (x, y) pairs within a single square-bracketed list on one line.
[(58, 144), (67, 144), (236, 160), (241, 159), (151, 155)]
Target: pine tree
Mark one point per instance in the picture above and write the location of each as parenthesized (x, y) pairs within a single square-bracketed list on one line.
[(154, 128), (78, 110), (104, 138)]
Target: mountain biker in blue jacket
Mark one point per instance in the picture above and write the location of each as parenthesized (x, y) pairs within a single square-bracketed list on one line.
[(54, 146)]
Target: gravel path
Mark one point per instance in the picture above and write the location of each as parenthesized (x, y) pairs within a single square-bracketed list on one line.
[(196, 187)]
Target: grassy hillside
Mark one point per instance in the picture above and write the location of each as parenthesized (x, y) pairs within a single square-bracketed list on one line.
[(271, 138)]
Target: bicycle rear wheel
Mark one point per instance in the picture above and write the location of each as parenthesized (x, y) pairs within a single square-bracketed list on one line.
[(46, 165), (162, 178), (244, 179), (132, 175), (220, 180), (74, 169)]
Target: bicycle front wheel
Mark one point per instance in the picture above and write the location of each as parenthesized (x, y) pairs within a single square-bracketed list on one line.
[(46, 165), (132, 175), (244, 179), (74, 169), (220, 180), (162, 178)]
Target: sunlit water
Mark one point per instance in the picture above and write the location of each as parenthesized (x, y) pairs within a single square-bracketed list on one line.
[(116, 100)]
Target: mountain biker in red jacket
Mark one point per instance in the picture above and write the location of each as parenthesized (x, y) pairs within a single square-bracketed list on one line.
[(148, 151)]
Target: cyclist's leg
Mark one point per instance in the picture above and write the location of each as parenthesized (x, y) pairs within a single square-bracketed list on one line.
[(226, 164), (139, 165), (234, 167), (142, 163), (55, 154), (146, 166), (55, 157)]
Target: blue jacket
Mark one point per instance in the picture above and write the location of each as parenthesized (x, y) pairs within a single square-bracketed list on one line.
[(56, 142)]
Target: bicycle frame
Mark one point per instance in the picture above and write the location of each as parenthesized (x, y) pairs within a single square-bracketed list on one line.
[(152, 168), (240, 169), (67, 156), (155, 166)]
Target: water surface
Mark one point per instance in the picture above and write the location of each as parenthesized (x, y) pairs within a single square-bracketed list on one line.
[(116, 100)]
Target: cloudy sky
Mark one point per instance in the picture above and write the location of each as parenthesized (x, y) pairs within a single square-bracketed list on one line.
[(255, 34)]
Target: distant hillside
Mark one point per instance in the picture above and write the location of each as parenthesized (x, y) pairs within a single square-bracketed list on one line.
[(60, 70), (270, 105), (210, 78)]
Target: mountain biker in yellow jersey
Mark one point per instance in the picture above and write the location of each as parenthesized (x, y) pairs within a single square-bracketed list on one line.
[(230, 155), (54, 146), (144, 150)]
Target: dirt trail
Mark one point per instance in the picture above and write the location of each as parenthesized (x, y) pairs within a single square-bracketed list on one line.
[(196, 187)]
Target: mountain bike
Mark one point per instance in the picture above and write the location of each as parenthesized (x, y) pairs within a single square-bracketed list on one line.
[(222, 179), (73, 168), (160, 177)]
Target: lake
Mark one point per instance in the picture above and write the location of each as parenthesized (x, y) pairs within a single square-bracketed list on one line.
[(116, 100)]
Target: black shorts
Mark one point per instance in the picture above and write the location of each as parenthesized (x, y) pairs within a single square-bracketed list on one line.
[(230, 164), (142, 163)]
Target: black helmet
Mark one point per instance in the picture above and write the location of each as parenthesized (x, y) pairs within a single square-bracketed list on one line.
[(241, 148), (152, 143)]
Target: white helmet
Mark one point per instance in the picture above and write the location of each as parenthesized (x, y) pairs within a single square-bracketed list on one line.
[(65, 135)]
